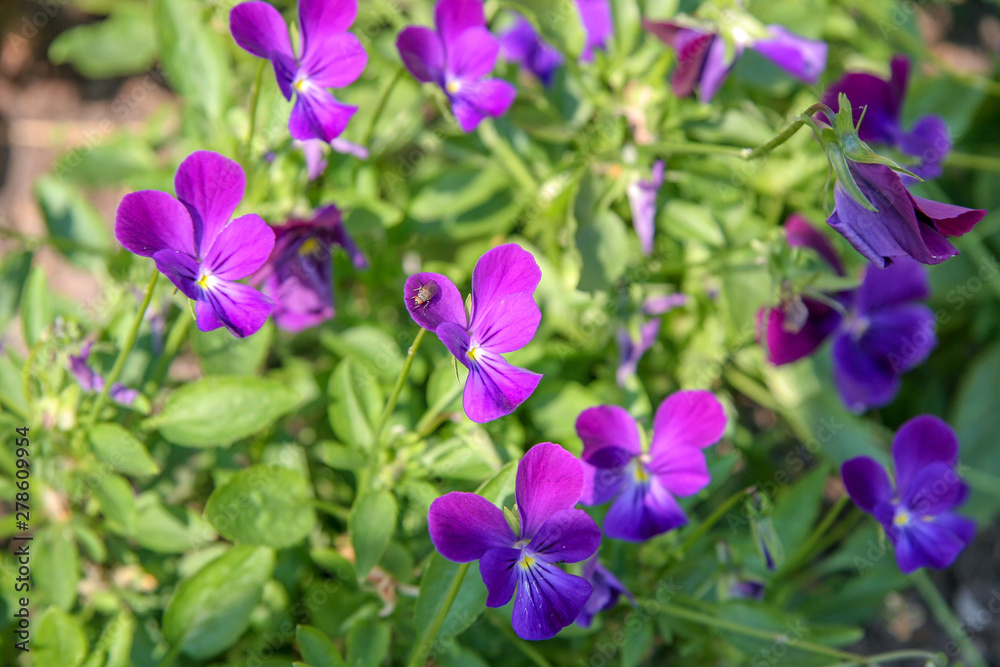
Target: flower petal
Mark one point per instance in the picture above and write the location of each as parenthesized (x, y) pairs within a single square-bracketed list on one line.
[(567, 536), (876, 98), (500, 272), (903, 336), (867, 482), (479, 99), (598, 24), (181, 269), (930, 141), (610, 436), (338, 64), (904, 280), (149, 221), (934, 490), (319, 20), (642, 511), (864, 380), (805, 59), (682, 470), (920, 442), (422, 54), (549, 479), (453, 17), (432, 299), (318, 115), (716, 69), (930, 544), (211, 187), (693, 417), (258, 28), (494, 387), (691, 47), (241, 309), (473, 54), (801, 234), (947, 218), (642, 201), (602, 484), (785, 343), (498, 567), (241, 248), (547, 600), (507, 324), (464, 526), (630, 352)]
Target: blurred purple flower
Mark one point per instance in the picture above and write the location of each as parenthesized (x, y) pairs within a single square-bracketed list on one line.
[(884, 334), (91, 381), (524, 46), (746, 589), (606, 591), (465, 527), (298, 273), (917, 514), (702, 62), (197, 246), (631, 350), (597, 23), (881, 102), (646, 483), (330, 57), (503, 318), (642, 201), (312, 150), (456, 57)]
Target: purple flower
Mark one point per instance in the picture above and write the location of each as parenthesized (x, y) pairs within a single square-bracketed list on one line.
[(642, 201), (456, 57), (631, 350), (503, 318), (902, 225), (879, 330), (702, 62), (524, 46), (746, 589), (330, 57), (607, 590), (597, 23), (916, 514), (646, 483), (297, 275), (197, 246), (312, 150), (465, 527), (91, 381), (881, 102)]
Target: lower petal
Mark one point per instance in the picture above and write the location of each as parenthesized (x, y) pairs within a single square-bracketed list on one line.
[(642, 511), (497, 567), (495, 388), (930, 544), (547, 600), (318, 115), (241, 309), (479, 99)]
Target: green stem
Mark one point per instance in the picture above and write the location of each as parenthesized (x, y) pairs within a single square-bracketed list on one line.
[(255, 97), (890, 656), (123, 353), (507, 156), (171, 657), (723, 624), (946, 618), (713, 519), (336, 511), (423, 647), (972, 161), (693, 148), (429, 421), (175, 337), (524, 647), (26, 375), (805, 550), (380, 106), (784, 135)]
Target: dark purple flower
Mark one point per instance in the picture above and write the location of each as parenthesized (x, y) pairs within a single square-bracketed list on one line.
[(703, 64), (881, 102), (503, 318), (607, 590), (330, 57), (902, 225), (646, 483), (631, 350), (91, 381), (642, 201), (298, 273), (197, 245), (456, 57), (884, 333), (465, 527), (917, 514), (524, 46)]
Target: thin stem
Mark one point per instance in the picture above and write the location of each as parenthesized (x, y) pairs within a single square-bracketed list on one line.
[(175, 337), (429, 421), (171, 656), (380, 106), (507, 156), (123, 353), (254, 98), (713, 519), (946, 618), (784, 135), (693, 148), (890, 656), (806, 548), (972, 161), (336, 511), (423, 647), (524, 647)]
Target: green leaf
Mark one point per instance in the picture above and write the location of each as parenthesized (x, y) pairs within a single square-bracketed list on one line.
[(977, 422), (264, 504), (59, 640), (218, 411), (56, 565), (372, 524), (75, 226), (169, 531), (210, 611), (13, 273), (36, 305), (117, 503), (121, 159), (368, 643), (117, 447), (356, 402), (122, 44), (603, 246), (221, 353), (370, 346), (316, 648), (558, 21)]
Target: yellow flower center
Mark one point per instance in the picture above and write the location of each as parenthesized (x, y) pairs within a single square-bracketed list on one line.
[(309, 246), (206, 281), (527, 562), (453, 87), (473, 353), (901, 519)]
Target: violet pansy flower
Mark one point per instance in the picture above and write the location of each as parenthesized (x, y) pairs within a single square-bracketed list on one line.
[(503, 318), (329, 57), (631, 350), (916, 514), (881, 103), (645, 484), (885, 332), (91, 381), (522, 43), (297, 275), (642, 200), (197, 245), (457, 57), (465, 527), (607, 591), (703, 62)]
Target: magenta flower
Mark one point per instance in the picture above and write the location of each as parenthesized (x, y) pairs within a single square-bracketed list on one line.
[(298, 273), (916, 514), (884, 334), (642, 201), (881, 102), (456, 57), (631, 350), (597, 23), (646, 483), (503, 318), (197, 246), (523, 45), (702, 63), (330, 57), (91, 381), (607, 590), (465, 527)]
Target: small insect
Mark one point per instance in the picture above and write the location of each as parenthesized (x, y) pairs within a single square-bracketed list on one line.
[(424, 294)]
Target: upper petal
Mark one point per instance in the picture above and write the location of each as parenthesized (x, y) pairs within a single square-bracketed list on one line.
[(867, 482), (549, 479), (547, 600), (241, 309), (473, 54), (211, 187), (876, 98), (920, 442), (904, 280), (500, 272), (321, 19), (610, 436), (716, 69), (494, 387), (693, 417), (453, 17), (241, 248), (934, 490), (785, 342), (149, 221), (691, 47), (464, 526), (421, 51), (258, 28), (682, 470), (338, 63), (805, 59), (902, 336), (948, 219), (432, 299), (507, 324), (568, 535)]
